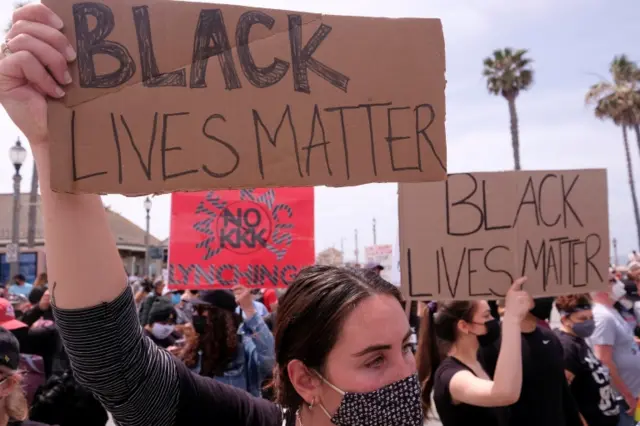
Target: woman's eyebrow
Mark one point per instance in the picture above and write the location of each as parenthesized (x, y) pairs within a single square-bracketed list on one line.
[(380, 347)]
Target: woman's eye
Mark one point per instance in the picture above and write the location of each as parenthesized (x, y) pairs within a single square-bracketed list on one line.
[(377, 362), (408, 347)]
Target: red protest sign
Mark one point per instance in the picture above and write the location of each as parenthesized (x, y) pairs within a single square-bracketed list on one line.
[(254, 237)]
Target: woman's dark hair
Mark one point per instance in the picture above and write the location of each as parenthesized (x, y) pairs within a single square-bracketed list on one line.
[(310, 316), (438, 330), (570, 302), (219, 342), (62, 401)]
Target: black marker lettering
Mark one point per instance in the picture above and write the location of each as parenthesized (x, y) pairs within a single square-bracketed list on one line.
[(302, 58), (227, 145), (422, 131), (471, 271), (343, 129), (592, 254), (146, 168), (116, 141), (565, 200), (552, 264), (151, 75), (258, 123), (93, 42), (540, 198), (74, 163), (485, 209), (317, 120), (259, 77), (391, 139), (528, 189), (164, 149), (211, 28), (574, 263), (498, 271), (369, 108), (539, 261), (453, 290), (463, 202)]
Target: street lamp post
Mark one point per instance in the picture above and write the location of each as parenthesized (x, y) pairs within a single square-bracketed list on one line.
[(17, 155), (147, 207)]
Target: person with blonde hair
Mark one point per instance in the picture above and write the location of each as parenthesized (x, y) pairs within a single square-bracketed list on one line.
[(14, 408), (42, 281)]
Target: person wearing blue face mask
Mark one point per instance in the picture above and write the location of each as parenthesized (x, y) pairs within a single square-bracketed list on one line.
[(588, 379)]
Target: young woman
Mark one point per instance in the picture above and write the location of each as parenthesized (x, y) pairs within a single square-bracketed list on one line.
[(224, 347), (341, 337), (462, 390), (14, 408), (588, 379)]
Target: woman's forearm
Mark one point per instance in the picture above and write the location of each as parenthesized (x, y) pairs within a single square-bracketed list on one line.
[(83, 263), (507, 380)]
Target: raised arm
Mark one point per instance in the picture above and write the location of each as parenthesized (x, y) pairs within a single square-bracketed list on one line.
[(506, 385), (96, 318), (136, 381)]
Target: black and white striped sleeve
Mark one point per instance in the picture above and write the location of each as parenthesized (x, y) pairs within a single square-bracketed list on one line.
[(136, 381)]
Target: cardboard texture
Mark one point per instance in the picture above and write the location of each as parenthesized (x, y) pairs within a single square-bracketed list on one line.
[(471, 236), (259, 238), (189, 96)]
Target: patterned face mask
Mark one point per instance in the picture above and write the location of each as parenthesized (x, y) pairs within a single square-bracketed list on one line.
[(397, 404)]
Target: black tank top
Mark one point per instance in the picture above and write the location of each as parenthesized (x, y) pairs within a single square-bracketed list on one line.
[(458, 414)]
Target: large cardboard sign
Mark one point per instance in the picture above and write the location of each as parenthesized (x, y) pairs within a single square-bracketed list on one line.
[(258, 238), (470, 237), (172, 95)]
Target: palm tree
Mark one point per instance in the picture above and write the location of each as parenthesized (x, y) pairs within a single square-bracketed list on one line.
[(626, 75), (617, 101), (509, 72)]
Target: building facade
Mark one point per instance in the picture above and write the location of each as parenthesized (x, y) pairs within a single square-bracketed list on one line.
[(129, 240)]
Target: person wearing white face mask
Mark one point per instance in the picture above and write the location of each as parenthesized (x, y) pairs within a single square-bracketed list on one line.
[(162, 320), (614, 345)]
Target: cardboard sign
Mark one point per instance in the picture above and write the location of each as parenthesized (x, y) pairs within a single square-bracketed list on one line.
[(470, 237), (174, 96), (258, 238)]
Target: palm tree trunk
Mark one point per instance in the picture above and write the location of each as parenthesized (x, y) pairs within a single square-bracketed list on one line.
[(515, 137), (33, 201), (632, 185)]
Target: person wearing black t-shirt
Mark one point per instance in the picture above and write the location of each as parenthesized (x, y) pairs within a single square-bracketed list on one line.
[(462, 391), (545, 398), (588, 379)]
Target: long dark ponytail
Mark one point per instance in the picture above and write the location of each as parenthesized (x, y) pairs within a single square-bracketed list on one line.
[(438, 330)]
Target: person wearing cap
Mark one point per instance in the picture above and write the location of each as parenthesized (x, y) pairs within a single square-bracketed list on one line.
[(145, 308), (237, 353), (162, 323), (14, 408)]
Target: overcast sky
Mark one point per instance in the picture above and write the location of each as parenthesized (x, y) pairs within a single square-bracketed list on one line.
[(572, 43)]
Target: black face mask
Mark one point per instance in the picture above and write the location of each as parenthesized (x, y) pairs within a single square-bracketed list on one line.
[(542, 308), (493, 332), (199, 323)]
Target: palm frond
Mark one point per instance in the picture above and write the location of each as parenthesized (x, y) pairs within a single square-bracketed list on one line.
[(508, 72)]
